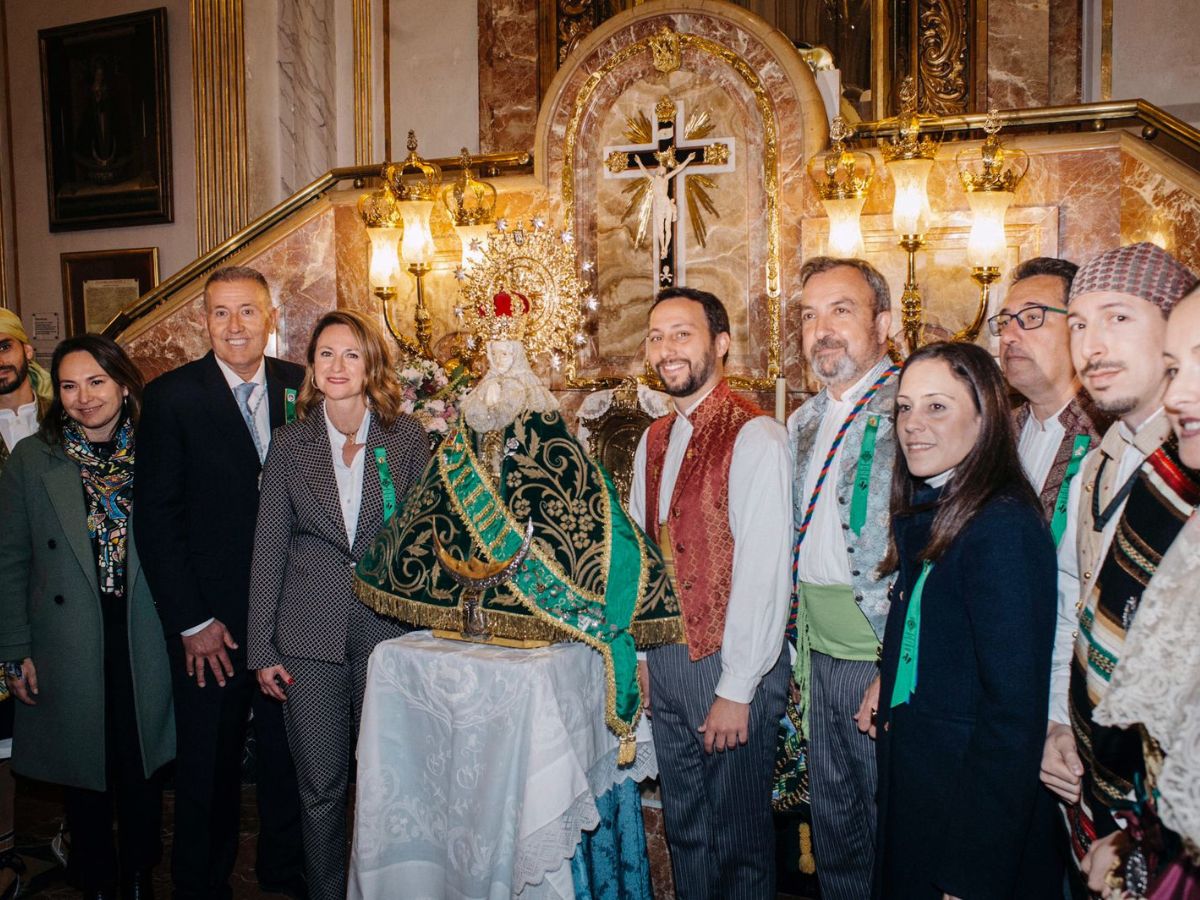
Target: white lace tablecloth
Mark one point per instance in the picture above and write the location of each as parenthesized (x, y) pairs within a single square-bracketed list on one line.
[(479, 767)]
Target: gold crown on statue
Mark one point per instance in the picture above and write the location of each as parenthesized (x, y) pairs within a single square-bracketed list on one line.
[(526, 288), (505, 317)]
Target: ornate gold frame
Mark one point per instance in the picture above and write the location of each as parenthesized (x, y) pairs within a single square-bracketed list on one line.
[(770, 186)]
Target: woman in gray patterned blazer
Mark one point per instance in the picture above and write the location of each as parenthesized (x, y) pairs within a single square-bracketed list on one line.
[(330, 481)]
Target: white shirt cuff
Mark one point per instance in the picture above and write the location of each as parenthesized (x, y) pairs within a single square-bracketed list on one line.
[(196, 629), (737, 688)]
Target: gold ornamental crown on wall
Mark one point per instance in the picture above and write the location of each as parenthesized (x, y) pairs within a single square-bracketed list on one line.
[(414, 178)]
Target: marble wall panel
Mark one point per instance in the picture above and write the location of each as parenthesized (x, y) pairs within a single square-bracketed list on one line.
[(1018, 51), (302, 271), (1155, 207), (307, 84), (172, 341), (1066, 52), (508, 74), (352, 250)]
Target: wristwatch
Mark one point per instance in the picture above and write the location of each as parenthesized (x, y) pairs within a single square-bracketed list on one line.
[(14, 670)]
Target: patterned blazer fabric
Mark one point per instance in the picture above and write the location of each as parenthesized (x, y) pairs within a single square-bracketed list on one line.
[(1081, 416), (866, 551), (301, 584)]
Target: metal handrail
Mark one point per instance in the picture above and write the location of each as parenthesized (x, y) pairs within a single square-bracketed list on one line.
[(488, 163), (1182, 140)]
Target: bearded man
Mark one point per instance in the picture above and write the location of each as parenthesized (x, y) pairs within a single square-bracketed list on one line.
[(711, 482), (841, 529)]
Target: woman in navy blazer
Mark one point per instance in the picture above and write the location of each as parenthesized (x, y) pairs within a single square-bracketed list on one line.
[(329, 481), (965, 669)]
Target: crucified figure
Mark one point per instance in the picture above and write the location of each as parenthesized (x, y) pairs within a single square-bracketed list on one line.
[(663, 208)]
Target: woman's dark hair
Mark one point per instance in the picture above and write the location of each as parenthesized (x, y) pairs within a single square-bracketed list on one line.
[(992, 466), (115, 363)]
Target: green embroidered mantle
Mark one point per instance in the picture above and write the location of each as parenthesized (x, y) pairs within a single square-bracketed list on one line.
[(591, 574)]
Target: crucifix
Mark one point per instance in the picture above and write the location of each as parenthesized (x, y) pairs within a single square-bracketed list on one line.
[(656, 160)]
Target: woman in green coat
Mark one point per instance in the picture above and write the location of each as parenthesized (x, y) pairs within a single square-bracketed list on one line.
[(83, 646)]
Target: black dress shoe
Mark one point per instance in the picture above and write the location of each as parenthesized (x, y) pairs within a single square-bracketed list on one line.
[(139, 887)]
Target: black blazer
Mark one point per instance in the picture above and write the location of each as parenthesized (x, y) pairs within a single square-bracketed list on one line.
[(195, 490), (961, 806), (302, 582)]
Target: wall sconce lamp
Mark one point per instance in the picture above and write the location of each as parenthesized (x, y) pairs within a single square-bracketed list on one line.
[(471, 204), (842, 178), (415, 183), (909, 158), (991, 189)]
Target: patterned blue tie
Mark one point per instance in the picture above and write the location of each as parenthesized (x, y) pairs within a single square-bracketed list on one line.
[(243, 392)]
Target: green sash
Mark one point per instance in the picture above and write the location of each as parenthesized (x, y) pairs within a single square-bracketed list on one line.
[(830, 622), (289, 406), (1058, 523), (542, 585), (906, 668)]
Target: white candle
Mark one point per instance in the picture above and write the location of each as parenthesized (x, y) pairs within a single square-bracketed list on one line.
[(781, 398)]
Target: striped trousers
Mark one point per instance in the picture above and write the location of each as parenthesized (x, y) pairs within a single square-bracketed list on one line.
[(842, 778), (716, 807)]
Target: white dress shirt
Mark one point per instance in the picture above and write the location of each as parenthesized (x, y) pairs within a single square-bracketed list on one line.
[(349, 477), (1038, 445), (760, 517), (257, 400), (262, 421), (15, 426), (1069, 588), (823, 559)]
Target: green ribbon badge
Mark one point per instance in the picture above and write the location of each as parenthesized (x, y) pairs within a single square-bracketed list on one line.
[(386, 485), (1058, 524), (906, 669)]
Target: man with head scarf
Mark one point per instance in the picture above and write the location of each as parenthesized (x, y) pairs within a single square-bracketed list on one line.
[(1125, 509), (25, 393)]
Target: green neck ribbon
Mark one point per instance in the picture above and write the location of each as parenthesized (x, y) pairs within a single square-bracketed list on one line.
[(289, 406), (862, 477), (1058, 524), (906, 668)]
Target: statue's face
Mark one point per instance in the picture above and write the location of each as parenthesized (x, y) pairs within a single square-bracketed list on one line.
[(501, 356)]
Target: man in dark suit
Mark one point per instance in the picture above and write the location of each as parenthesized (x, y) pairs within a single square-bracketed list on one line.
[(203, 436)]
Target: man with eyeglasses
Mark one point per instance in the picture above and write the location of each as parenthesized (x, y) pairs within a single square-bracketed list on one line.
[(1058, 422)]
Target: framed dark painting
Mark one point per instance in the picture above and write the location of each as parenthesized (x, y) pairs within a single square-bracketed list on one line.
[(97, 285), (106, 111)]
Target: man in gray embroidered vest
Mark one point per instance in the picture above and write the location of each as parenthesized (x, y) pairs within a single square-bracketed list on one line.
[(843, 444)]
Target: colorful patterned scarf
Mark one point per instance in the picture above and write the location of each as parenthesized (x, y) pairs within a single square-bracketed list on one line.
[(108, 486)]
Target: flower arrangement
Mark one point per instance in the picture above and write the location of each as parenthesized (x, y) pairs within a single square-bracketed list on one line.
[(431, 394)]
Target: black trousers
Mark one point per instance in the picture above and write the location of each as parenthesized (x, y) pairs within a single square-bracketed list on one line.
[(137, 800), (210, 725)]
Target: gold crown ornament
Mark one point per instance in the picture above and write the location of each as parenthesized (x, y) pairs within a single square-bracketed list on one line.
[(526, 288)]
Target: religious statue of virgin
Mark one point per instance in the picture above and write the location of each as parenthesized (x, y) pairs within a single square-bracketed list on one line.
[(511, 489)]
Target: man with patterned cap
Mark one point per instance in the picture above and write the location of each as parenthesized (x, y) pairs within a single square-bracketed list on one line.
[(25, 394), (1126, 506)]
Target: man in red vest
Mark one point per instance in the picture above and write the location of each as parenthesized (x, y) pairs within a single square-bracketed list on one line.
[(712, 484)]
